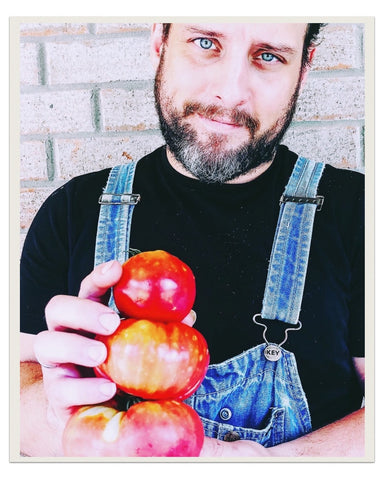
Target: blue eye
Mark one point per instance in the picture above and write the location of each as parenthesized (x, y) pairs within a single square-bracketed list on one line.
[(268, 57), (205, 43)]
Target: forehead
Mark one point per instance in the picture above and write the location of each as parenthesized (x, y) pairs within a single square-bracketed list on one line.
[(292, 33)]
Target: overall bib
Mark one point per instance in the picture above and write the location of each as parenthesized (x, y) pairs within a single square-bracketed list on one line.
[(256, 395)]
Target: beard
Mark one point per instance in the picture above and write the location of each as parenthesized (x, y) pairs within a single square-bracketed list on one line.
[(212, 161)]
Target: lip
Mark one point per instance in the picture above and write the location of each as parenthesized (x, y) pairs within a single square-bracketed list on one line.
[(219, 123)]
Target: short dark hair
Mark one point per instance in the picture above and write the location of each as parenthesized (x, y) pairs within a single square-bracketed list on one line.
[(166, 28), (310, 39), (311, 35)]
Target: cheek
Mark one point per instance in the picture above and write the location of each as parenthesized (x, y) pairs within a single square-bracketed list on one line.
[(184, 88), (272, 101), (185, 81)]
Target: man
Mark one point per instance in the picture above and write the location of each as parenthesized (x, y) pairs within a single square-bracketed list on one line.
[(225, 94)]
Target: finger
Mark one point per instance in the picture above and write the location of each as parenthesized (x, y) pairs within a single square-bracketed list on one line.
[(100, 280), (190, 319), (65, 389), (55, 348), (66, 312)]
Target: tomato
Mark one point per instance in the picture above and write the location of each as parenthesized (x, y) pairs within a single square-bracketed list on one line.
[(155, 285), (155, 360), (165, 428)]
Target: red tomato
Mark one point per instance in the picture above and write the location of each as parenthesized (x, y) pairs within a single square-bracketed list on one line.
[(155, 360), (155, 285), (148, 429)]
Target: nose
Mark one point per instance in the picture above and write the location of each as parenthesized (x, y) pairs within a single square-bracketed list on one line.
[(231, 81)]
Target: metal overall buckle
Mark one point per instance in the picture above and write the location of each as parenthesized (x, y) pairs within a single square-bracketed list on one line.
[(272, 351), (119, 199), (318, 200)]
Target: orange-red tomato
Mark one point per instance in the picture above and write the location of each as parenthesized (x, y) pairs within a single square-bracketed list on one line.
[(155, 285), (155, 360), (165, 428)]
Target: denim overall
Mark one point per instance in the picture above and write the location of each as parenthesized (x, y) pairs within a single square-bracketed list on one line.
[(256, 395)]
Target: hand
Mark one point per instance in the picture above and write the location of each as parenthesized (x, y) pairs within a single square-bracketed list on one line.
[(67, 351), (213, 447)]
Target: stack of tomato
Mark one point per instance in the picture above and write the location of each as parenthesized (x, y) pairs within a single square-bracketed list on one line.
[(156, 362)]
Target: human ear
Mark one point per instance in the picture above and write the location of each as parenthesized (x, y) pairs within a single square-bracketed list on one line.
[(311, 55), (156, 44), (307, 67)]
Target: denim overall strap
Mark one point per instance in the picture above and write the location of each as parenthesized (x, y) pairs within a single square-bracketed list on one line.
[(253, 396), (116, 209), (290, 251)]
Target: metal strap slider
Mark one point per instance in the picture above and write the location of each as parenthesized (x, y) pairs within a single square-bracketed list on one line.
[(119, 199), (318, 200)]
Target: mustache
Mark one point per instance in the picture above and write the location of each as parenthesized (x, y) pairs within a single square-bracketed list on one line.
[(235, 116)]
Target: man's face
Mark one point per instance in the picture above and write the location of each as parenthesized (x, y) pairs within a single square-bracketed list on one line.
[(225, 94)]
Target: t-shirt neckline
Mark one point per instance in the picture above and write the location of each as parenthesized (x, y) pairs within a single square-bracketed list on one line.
[(196, 184)]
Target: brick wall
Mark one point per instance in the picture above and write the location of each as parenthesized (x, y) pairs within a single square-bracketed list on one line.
[(86, 102)]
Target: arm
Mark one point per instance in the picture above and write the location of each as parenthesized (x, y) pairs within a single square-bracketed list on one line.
[(37, 436), (343, 438)]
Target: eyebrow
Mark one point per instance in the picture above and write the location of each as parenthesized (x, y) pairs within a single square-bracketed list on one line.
[(207, 33), (282, 48), (277, 48)]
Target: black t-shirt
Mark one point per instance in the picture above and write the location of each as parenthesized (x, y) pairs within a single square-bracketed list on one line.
[(225, 234)]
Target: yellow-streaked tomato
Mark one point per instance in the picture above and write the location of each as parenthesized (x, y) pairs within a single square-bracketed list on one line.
[(166, 428), (155, 285), (155, 360)]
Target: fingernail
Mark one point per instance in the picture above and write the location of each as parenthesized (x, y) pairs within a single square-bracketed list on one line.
[(109, 321), (107, 266), (108, 389), (97, 353)]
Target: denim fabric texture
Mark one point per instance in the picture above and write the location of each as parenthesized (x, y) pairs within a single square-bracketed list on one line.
[(250, 398), (115, 218), (246, 397), (290, 252)]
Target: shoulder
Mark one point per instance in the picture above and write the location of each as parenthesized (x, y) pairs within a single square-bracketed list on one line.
[(85, 190), (334, 181), (344, 205), (75, 199), (87, 185), (343, 191), (340, 178), (332, 176)]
